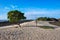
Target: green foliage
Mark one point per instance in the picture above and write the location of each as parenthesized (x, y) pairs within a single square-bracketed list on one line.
[(15, 16), (44, 19), (47, 27)]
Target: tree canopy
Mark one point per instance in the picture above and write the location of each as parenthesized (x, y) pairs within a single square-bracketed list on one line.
[(46, 19), (15, 16)]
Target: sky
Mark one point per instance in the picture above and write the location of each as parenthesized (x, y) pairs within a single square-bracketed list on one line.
[(31, 8)]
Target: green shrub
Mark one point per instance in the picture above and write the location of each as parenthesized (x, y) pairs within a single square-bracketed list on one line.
[(42, 18), (46, 27)]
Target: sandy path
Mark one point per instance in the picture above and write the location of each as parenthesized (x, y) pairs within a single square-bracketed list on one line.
[(29, 33)]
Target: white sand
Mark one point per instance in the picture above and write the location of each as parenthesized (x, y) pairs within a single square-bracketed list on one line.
[(29, 33)]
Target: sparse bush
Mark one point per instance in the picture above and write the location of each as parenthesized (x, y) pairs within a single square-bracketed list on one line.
[(47, 27), (42, 19), (46, 19)]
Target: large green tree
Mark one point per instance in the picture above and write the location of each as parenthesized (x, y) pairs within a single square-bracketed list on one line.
[(15, 16)]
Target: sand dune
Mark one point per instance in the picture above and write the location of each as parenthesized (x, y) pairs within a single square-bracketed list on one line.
[(29, 33)]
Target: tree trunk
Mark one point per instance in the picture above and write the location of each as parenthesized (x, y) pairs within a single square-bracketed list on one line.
[(19, 24), (36, 23)]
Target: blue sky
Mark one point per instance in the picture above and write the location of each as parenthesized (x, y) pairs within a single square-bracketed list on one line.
[(32, 8)]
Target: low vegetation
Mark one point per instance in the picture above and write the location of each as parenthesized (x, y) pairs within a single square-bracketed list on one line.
[(46, 19), (55, 23), (46, 27)]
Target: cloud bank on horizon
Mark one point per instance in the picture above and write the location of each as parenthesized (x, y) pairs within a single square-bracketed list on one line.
[(32, 9), (35, 13)]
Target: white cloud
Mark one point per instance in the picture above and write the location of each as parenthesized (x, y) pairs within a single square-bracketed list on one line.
[(13, 6), (7, 8), (40, 11), (31, 13), (3, 17)]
